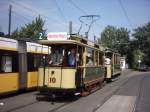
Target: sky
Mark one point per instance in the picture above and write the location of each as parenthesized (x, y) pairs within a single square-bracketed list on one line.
[(57, 14)]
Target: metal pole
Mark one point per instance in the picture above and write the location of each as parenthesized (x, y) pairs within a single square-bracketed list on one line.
[(9, 24), (94, 38), (70, 27)]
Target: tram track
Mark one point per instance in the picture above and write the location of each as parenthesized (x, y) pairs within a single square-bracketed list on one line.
[(105, 99), (121, 82), (115, 91), (73, 99), (59, 107), (139, 93), (94, 110), (35, 102), (22, 106)]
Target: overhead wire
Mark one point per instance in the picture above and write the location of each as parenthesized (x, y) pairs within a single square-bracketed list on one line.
[(125, 13), (34, 11), (81, 10), (25, 18), (60, 11), (77, 7), (24, 7)]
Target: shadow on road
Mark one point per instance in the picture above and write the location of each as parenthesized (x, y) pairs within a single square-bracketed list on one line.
[(61, 99)]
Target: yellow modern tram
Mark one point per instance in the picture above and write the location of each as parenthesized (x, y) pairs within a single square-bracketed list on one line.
[(75, 65), (112, 64), (8, 65), (34, 53), (19, 62)]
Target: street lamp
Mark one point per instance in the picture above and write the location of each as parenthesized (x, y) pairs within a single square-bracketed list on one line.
[(139, 61)]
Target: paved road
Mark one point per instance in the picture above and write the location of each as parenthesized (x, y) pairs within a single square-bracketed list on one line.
[(143, 104), (130, 92)]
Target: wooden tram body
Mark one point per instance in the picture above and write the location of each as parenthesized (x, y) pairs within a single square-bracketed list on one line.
[(81, 78), (112, 68)]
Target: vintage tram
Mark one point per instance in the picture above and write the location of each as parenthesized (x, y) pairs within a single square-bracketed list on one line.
[(74, 66), (112, 64)]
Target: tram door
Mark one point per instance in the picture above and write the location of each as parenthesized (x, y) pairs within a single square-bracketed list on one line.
[(80, 64)]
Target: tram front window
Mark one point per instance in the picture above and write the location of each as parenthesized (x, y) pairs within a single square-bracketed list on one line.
[(64, 55), (71, 57), (56, 57)]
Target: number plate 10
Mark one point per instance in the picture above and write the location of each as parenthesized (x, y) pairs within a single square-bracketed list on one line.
[(52, 80)]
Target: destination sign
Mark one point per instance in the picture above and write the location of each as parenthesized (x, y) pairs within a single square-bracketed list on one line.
[(57, 36)]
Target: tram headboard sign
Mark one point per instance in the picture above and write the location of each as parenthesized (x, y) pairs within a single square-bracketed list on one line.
[(57, 36)]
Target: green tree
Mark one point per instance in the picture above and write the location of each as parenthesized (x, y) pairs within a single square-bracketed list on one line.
[(30, 30), (137, 55), (115, 38), (122, 41), (15, 34), (108, 37), (142, 41)]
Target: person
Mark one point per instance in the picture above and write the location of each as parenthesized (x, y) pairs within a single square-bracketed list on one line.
[(71, 58), (90, 62), (107, 61), (56, 58)]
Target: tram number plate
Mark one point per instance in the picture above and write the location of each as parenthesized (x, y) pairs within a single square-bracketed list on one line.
[(52, 80)]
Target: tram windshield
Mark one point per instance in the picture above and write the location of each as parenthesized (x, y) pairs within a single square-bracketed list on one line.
[(56, 56), (62, 55)]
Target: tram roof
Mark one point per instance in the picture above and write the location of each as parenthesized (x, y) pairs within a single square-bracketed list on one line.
[(73, 39), (8, 44)]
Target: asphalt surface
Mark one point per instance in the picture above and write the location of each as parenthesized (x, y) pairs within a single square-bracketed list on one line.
[(130, 92)]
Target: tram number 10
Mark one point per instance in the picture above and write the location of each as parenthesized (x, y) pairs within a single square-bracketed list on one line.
[(52, 80)]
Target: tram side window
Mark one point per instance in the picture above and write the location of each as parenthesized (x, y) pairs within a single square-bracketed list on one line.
[(8, 62), (101, 59), (96, 58), (71, 56), (80, 55), (15, 63), (32, 62), (89, 57), (36, 61), (117, 60), (113, 59), (42, 59)]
